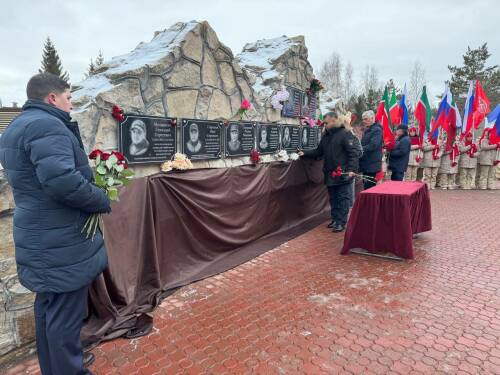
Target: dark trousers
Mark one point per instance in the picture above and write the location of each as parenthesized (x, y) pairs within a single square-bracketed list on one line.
[(369, 183), (340, 200), (397, 175), (59, 320)]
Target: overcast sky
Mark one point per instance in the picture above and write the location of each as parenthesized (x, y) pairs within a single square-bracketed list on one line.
[(390, 35)]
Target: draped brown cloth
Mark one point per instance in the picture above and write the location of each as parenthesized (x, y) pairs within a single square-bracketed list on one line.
[(169, 230), (385, 218)]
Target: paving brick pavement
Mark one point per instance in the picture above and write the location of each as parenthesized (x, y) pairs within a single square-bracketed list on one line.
[(304, 309)]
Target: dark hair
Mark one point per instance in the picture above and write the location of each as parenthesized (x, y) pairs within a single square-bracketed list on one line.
[(332, 114), (41, 85)]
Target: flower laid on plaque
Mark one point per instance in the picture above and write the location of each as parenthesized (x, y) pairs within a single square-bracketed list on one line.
[(240, 138), (147, 139), (309, 137), (202, 139), (290, 137), (293, 106), (268, 138)]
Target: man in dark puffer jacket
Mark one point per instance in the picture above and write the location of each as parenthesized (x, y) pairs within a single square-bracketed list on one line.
[(340, 151), (43, 156)]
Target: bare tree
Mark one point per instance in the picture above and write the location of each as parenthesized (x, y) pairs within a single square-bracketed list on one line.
[(370, 81), (349, 85), (330, 74), (417, 81)]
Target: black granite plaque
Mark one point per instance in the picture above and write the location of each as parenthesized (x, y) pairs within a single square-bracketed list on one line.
[(147, 139), (310, 105), (308, 137), (202, 139), (293, 106), (240, 138), (290, 137), (268, 138)]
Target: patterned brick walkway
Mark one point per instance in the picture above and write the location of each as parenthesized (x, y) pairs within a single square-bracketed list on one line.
[(304, 309)]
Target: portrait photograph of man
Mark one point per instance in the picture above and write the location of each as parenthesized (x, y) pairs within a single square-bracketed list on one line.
[(304, 137), (285, 137), (194, 145), (263, 143), (234, 143), (139, 143)]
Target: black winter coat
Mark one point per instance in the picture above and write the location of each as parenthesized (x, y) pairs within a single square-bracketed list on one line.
[(400, 154), (338, 147), (48, 170), (372, 143)]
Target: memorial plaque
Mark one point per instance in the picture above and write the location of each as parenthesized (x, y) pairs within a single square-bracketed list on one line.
[(319, 134), (147, 139), (268, 138), (310, 105), (308, 137), (240, 138), (293, 106), (202, 139), (290, 137)]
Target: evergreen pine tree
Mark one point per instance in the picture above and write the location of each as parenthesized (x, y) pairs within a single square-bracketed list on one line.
[(474, 67), (91, 69), (99, 60), (51, 62)]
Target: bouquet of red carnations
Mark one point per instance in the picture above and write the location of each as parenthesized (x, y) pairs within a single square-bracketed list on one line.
[(110, 172)]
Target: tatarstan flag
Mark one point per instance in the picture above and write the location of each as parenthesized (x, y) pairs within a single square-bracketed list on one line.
[(394, 110), (383, 116), (423, 115)]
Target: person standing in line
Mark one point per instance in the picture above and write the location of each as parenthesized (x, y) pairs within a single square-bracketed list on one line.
[(467, 162), (341, 155), (372, 142), (47, 167), (415, 156), (448, 168), (487, 157), (431, 161), (400, 154)]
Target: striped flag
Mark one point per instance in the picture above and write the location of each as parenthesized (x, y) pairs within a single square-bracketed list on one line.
[(467, 123), (403, 108), (394, 110), (423, 115), (383, 116)]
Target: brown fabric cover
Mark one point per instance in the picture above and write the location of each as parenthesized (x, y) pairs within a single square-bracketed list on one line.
[(169, 230)]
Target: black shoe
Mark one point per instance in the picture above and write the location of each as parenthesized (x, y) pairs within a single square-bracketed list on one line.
[(332, 223), (338, 228), (88, 359)]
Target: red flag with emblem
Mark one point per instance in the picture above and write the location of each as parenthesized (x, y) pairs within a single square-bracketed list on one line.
[(481, 105)]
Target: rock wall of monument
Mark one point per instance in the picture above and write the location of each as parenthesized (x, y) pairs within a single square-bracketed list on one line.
[(186, 72)]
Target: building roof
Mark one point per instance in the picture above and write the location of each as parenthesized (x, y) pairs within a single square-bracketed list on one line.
[(6, 116)]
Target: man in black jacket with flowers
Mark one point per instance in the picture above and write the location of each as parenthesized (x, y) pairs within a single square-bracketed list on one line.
[(341, 153)]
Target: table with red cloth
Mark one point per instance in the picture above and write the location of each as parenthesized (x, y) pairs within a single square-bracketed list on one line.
[(385, 218)]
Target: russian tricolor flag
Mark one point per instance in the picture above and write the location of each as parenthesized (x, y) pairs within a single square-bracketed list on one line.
[(467, 123), (403, 108), (493, 123)]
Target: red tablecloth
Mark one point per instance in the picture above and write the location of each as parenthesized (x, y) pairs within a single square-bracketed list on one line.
[(385, 217)]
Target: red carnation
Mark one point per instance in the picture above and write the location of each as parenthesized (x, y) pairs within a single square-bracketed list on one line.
[(105, 155), (95, 153), (255, 156), (418, 159), (117, 113), (337, 172), (245, 104)]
